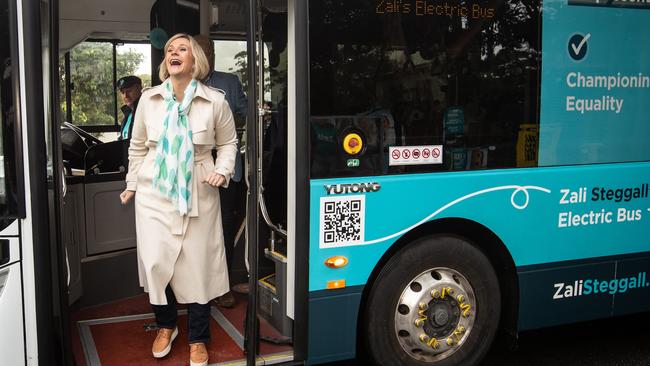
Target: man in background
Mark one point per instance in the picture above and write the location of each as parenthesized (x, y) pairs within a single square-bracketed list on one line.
[(232, 87), (130, 88)]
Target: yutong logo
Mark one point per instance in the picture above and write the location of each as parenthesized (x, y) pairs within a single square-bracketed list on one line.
[(594, 286), (352, 188)]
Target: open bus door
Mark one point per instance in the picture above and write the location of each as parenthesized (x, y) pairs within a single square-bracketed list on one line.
[(277, 166), (266, 159), (253, 177), (108, 297)]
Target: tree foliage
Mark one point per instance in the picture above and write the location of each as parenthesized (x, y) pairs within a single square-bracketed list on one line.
[(241, 68), (91, 75)]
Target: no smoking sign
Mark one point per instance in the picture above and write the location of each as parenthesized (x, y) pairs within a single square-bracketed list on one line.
[(415, 155)]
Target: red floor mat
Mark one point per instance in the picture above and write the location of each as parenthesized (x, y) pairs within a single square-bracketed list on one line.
[(127, 343), (129, 306)]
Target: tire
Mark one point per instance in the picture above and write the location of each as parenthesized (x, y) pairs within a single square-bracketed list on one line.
[(408, 320)]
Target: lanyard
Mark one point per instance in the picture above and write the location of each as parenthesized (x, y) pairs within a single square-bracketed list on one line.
[(127, 124)]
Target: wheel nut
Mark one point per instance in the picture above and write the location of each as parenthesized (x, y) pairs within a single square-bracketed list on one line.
[(419, 322), (433, 343)]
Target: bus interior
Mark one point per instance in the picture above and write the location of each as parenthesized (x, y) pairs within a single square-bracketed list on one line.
[(109, 317)]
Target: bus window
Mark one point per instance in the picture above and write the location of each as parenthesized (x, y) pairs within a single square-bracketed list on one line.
[(230, 56), (134, 59), (94, 102), (467, 82)]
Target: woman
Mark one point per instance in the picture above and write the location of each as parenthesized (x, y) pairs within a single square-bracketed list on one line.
[(178, 220)]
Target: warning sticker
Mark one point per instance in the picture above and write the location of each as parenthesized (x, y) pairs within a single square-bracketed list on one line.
[(415, 155)]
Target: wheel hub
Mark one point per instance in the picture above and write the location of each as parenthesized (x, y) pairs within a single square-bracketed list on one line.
[(442, 317), (435, 314)]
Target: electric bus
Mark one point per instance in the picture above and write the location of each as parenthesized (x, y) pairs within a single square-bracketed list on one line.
[(431, 175)]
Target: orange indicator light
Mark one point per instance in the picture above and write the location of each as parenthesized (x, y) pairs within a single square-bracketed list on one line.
[(337, 261), (333, 285)]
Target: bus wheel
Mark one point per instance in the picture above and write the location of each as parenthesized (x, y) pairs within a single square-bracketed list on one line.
[(436, 302)]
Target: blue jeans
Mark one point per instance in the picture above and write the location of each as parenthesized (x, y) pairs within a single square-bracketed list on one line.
[(198, 321)]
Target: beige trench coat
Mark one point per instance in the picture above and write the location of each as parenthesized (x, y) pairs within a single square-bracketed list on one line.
[(186, 252)]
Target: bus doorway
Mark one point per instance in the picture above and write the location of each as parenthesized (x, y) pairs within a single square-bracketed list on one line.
[(111, 322)]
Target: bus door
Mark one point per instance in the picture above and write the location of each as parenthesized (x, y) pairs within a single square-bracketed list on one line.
[(12, 207), (277, 307), (33, 311), (93, 264), (266, 234)]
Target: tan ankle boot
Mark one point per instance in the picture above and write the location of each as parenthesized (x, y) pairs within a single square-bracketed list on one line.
[(198, 354), (163, 342)]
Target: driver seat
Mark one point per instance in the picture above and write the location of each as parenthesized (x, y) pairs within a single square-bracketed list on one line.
[(109, 157)]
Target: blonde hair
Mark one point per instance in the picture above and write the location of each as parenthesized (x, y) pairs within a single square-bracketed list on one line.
[(201, 68)]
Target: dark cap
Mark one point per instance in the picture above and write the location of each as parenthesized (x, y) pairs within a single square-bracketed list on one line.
[(128, 81)]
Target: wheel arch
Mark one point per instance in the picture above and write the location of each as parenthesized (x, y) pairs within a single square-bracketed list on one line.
[(481, 237)]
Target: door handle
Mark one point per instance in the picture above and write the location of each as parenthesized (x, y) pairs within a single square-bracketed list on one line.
[(65, 186), (5, 256)]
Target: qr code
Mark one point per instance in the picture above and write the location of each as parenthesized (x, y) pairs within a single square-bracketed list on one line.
[(342, 221)]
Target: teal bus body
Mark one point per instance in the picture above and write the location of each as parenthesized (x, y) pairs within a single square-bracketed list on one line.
[(562, 263), (529, 210), (532, 211)]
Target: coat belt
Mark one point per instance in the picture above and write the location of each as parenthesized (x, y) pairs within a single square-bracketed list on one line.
[(179, 224)]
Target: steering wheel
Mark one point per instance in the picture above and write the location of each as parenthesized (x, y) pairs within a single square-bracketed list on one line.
[(89, 139)]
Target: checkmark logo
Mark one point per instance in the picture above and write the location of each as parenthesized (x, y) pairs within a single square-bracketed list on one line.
[(578, 46)]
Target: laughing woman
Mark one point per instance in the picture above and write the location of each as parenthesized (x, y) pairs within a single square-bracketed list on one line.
[(181, 255)]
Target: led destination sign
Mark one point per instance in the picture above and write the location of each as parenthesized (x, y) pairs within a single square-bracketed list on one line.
[(435, 8)]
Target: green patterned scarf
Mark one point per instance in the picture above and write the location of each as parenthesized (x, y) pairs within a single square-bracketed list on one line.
[(174, 166)]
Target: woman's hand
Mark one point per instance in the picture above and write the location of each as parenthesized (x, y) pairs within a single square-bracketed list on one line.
[(126, 196), (215, 179)]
